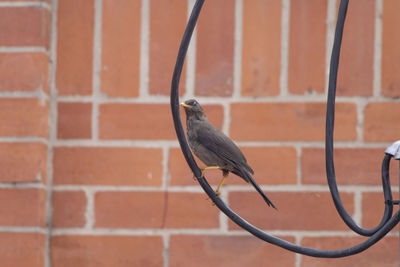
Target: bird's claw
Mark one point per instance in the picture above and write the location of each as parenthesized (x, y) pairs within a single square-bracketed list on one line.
[(212, 202), (218, 194)]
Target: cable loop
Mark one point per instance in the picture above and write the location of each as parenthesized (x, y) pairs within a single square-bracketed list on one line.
[(388, 221)]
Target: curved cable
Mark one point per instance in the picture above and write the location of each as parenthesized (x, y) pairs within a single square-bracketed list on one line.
[(174, 100), (389, 225), (330, 120), (379, 234)]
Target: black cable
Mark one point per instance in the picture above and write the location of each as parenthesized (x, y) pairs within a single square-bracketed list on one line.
[(187, 35), (375, 237), (330, 120), (389, 225)]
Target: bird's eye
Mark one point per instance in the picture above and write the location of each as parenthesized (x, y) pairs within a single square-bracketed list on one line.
[(192, 103)]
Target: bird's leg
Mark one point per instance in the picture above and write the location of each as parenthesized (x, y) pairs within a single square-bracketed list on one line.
[(206, 168), (221, 183), (209, 168)]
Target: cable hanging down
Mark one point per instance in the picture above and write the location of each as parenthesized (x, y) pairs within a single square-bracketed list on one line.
[(388, 222)]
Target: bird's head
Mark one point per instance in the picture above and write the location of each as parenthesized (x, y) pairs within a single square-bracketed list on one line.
[(193, 109)]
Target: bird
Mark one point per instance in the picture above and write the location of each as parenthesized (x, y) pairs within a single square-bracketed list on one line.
[(215, 149)]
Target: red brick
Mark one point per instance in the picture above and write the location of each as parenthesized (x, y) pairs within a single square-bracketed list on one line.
[(129, 209), (167, 24), (373, 205), (379, 122), (23, 117), (147, 210), (75, 26), (24, 72), (23, 162), (353, 166), (261, 48), (214, 55), (272, 165), (297, 210), (290, 121), (390, 52), (104, 251), (108, 166), (74, 120), (357, 53), (121, 48), (119, 121), (24, 26), (14, 245), (217, 250), (69, 208), (384, 253), (306, 72), (22, 207)]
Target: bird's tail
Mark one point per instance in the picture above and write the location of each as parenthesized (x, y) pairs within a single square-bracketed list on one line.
[(257, 187)]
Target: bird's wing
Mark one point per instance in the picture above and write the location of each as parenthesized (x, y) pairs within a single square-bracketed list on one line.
[(220, 144), (217, 142)]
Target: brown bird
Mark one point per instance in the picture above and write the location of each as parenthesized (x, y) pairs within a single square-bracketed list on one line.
[(215, 149)]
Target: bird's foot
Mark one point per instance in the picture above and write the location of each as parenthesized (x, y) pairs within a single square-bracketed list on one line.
[(212, 202), (202, 173), (218, 194)]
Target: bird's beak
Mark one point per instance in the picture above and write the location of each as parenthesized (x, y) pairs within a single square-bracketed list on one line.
[(184, 105)]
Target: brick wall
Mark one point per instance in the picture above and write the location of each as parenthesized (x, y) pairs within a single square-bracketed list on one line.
[(91, 171)]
